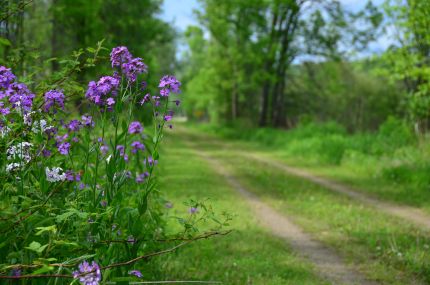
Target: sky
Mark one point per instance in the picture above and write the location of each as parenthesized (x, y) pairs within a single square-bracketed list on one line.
[(180, 13)]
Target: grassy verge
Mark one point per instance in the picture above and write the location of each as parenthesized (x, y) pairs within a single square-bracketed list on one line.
[(249, 255), (385, 248)]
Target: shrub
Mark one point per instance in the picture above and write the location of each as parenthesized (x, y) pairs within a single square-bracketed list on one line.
[(79, 196)]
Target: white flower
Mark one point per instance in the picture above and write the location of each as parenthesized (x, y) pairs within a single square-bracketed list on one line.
[(109, 158), (55, 174), (4, 131), (40, 126), (27, 118), (21, 151), (12, 166)]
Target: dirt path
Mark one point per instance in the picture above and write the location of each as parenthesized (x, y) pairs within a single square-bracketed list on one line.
[(326, 261), (414, 215)]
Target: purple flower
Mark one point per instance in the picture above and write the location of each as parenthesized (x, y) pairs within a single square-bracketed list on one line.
[(74, 126), (88, 274), (104, 149), (145, 99), (136, 273), (137, 145), (61, 139), (87, 121), (150, 161), (177, 102), (98, 92), (168, 205), (193, 210), (141, 177), (164, 92), (110, 101), (133, 68), (20, 97), (143, 85), (69, 175), (103, 203), (135, 128), (6, 77), (119, 56), (64, 148), (81, 186), (169, 83), (5, 111), (53, 98), (167, 118), (46, 153), (121, 149)]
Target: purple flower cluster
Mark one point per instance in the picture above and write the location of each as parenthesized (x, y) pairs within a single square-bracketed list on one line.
[(74, 126), (169, 84), (131, 67), (136, 146), (135, 128), (71, 176), (6, 77), (119, 56), (102, 92), (18, 94), (150, 161), (121, 149), (88, 274), (63, 148), (141, 177), (53, 98)]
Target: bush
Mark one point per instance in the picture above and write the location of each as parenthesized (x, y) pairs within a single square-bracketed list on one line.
[(83, 189)]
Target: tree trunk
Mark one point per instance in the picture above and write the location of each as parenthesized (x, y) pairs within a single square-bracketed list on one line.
[(268, 68)]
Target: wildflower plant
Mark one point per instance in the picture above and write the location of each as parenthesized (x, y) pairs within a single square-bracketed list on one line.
[(79, 200)]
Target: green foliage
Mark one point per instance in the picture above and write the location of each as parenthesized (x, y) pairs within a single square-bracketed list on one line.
[(250, 67), (408, 57)]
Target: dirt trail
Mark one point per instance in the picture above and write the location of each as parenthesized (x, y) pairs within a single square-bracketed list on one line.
[(414, 215), (326, 261)]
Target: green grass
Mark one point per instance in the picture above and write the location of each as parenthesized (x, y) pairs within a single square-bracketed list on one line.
[(248, 255), (385, 248), (390, 164)]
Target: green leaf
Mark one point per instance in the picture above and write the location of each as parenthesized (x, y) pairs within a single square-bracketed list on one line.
[(42, 270), (37, 247), (143, 204), (52, 229)]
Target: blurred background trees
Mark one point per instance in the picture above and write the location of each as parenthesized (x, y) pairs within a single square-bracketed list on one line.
[(275, 63), (33, 31), (270, 63)]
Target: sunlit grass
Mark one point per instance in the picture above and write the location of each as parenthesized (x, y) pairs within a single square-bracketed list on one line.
[(248, 255), (385, 248)]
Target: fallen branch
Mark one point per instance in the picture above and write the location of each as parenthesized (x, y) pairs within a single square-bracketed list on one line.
[(147, 256)]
